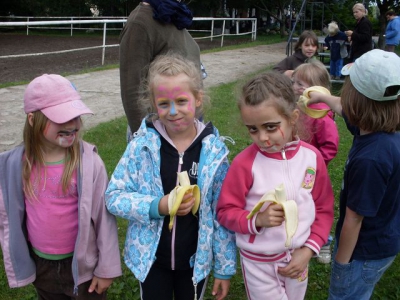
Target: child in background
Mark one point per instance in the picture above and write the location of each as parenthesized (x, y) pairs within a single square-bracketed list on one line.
[(173, 264), (271, 269), (322, 133), (335, 42), (368, 229), (56, 231), (304, 50)]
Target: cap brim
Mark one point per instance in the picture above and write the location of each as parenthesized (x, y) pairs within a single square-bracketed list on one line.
[(346, 69), (66, 111)]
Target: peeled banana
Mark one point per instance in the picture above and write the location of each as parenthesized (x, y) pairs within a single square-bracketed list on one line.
[(176, 196), (303, 102), (278, 196)]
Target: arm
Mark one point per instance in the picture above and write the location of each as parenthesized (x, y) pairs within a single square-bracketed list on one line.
[(348, 236), (363, 33), (327, 46), (106, 233), (135, 56), (224, 245), (283, 67), (322, 194), (129, 195), (391, 30), (332, 101), (326, 138), (232, 200)]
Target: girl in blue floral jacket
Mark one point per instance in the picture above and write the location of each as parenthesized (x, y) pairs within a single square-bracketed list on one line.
[(173, 264)]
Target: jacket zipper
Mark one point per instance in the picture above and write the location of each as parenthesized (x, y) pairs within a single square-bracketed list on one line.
[(173, 228)]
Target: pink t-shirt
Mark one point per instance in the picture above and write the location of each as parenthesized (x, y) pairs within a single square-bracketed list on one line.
[(52, 218)]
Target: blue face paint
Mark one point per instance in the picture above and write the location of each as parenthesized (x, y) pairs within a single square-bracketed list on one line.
[(172, 111)]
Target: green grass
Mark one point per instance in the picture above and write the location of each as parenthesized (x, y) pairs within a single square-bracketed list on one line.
[(110, 140)]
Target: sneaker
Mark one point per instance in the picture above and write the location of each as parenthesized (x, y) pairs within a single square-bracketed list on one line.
[(325, 255), (337, 78)]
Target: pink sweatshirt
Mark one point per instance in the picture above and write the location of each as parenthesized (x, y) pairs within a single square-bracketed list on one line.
[(323, 133), (302, 171)]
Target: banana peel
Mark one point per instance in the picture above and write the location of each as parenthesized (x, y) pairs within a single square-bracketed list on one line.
[(278, 196), (175, 198), (303, 102)]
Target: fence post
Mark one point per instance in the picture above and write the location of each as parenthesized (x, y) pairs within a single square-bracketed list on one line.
[(254, 33), (104, 42), (223, 33), (212, 29), (27, 26), (237, 26), (72, 26)]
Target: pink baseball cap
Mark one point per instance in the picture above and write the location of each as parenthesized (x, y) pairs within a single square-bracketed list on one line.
[(56, 97)]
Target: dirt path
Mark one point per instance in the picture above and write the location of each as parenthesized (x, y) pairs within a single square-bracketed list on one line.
[(101, 90)]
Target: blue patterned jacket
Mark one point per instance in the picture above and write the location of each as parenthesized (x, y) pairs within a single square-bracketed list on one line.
[(136, 183)]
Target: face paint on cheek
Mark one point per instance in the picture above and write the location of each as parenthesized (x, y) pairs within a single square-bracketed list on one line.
[(191, 107), (282, 134)]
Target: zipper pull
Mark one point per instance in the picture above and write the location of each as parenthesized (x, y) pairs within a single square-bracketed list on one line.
[(195, 288), (283, 154), (181, 158)]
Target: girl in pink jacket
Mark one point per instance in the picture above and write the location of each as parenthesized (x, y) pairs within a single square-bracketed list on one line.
[(322, 133), (274, 249)]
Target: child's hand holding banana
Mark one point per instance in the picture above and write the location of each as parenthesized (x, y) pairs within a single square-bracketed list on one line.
[(278, 211), (181, 197)]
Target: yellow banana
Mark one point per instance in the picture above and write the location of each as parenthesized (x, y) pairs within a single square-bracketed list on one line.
[(278, 196), (303, 102), (176, 196)]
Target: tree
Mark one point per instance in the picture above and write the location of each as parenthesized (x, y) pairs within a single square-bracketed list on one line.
[(276, 8)]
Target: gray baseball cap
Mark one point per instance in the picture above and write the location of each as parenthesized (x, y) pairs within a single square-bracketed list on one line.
[(373, 72)]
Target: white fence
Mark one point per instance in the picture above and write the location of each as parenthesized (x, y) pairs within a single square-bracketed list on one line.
[(214, 32)]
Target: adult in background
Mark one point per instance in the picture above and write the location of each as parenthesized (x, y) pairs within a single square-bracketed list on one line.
[(392, 34), (361, 37), (154, 27)]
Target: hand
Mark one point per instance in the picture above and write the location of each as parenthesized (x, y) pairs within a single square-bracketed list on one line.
[(288, 73), (186, 205), (221, 288), (183, 209), (100, 285), (314, 97), (325, 48), (348, 32), (271, 217), (298, 263)]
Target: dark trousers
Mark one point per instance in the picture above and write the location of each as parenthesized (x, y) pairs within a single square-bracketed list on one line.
[(54, 281), (164, 284)]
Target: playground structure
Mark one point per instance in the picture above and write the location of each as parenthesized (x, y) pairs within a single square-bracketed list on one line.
[(311, 16)]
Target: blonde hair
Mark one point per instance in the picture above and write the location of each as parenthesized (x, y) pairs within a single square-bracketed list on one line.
[(314, 73), (34, 155), (172, 65), (360, 7), (333, 28)]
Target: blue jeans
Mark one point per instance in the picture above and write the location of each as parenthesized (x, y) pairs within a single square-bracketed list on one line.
[(335, 67), (356, 279)]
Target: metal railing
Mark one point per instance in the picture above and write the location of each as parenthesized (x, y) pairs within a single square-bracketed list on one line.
[(213, 32)]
